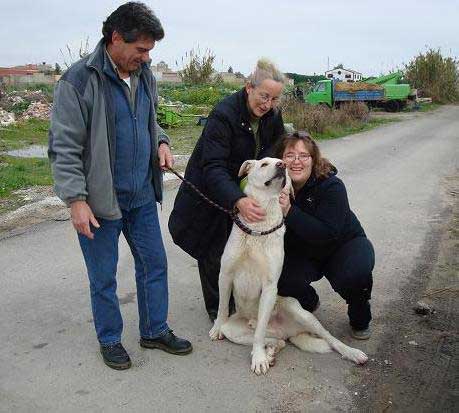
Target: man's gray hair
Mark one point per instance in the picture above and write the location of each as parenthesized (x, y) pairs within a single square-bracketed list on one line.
[(265, 69)]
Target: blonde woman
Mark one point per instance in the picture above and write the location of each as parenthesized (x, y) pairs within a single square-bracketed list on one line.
[(242, 126)]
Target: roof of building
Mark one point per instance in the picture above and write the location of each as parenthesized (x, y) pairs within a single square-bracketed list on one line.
[(342, 68)]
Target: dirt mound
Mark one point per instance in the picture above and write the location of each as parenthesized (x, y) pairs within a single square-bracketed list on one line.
[(38, 110), (355, 87)]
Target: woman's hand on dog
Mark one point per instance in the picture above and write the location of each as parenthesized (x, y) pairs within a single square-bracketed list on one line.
[(250, 210), (284, 201)]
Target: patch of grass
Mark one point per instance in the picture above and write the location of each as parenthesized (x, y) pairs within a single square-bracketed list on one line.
[(338, 132), (184, 138), (18, 173), (427, 107), (25, 133)]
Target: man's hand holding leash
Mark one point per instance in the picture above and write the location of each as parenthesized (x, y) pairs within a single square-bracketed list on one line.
[(166, 159)]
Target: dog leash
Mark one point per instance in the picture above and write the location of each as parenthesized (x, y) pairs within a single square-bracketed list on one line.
[(232, 214)]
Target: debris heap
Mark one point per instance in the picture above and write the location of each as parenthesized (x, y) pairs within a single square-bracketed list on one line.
[(38, 110), (6, 118)]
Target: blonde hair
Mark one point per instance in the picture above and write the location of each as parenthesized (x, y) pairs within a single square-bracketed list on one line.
[(265, 69)]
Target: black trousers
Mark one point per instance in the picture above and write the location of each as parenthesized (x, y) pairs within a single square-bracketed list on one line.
[(209, 269), (349, 271)]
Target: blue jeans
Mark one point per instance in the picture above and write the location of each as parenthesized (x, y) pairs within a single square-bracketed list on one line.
[(141, 229)]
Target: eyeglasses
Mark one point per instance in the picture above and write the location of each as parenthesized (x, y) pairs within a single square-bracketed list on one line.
[(265, 98), (302, 157)]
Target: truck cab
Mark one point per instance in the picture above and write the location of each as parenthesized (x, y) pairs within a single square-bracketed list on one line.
[(322, 93)]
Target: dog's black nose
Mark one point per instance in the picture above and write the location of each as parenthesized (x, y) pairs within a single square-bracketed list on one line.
[(280, 165)]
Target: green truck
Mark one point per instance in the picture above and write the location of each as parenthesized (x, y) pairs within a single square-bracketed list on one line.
[(384, 91)]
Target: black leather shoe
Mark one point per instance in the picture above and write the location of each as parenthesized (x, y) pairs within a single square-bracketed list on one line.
[(169, 342), (115, 356)]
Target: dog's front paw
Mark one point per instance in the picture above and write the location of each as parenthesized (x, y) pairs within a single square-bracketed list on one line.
[(260, 362), (355, 355), (215, 332)]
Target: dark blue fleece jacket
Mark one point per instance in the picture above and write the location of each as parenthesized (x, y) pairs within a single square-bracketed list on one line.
[(320, 219)]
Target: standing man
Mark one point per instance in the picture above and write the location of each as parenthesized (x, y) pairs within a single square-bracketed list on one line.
[(107, 152), (242, 126)]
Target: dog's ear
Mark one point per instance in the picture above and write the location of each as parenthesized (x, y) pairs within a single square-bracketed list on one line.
[(246, 167), (289, 186)]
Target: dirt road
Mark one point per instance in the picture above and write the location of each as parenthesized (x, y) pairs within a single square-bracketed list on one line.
[(403, 184)]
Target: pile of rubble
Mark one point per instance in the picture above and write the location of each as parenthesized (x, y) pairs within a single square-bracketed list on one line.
[(38, 110), (6, 118), (25, 104)]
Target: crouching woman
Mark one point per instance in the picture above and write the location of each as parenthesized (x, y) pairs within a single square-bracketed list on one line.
[(323, 237)]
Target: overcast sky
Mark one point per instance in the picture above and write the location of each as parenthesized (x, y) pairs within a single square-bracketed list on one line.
[(301, 36)]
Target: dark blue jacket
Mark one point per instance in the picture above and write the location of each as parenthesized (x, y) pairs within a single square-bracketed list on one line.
[(320, 220)]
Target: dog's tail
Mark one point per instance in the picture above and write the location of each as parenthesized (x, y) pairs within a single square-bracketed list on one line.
[(310, 343)]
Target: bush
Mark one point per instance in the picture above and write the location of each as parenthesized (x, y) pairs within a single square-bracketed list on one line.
[(198, 70), (320, 119), (434, 76), (207, 95)]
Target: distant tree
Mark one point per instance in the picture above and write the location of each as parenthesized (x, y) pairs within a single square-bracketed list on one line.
[(57, 69), (218, 79), (340, 66), (302, 79), (198, 69), (435, 76), (239, 75), (230, 70)]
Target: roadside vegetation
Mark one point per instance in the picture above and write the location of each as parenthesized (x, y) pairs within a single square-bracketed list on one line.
[(435, 76), (197, 95), (325, 123), (432, 74)]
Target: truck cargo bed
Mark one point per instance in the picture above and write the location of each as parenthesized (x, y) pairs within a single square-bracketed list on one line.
[(359, 95)]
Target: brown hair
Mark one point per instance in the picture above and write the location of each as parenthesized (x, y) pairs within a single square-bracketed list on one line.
[(321, 167)]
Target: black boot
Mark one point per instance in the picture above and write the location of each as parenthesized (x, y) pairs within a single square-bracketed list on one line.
[(115, 356), (168, 342)]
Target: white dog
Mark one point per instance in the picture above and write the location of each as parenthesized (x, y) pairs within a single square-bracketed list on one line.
[(250, 268)]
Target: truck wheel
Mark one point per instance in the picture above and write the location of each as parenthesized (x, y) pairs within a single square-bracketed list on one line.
[(393, 106)]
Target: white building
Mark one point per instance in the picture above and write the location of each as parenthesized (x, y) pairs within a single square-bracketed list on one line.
[(344, 75), (163, 73)]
